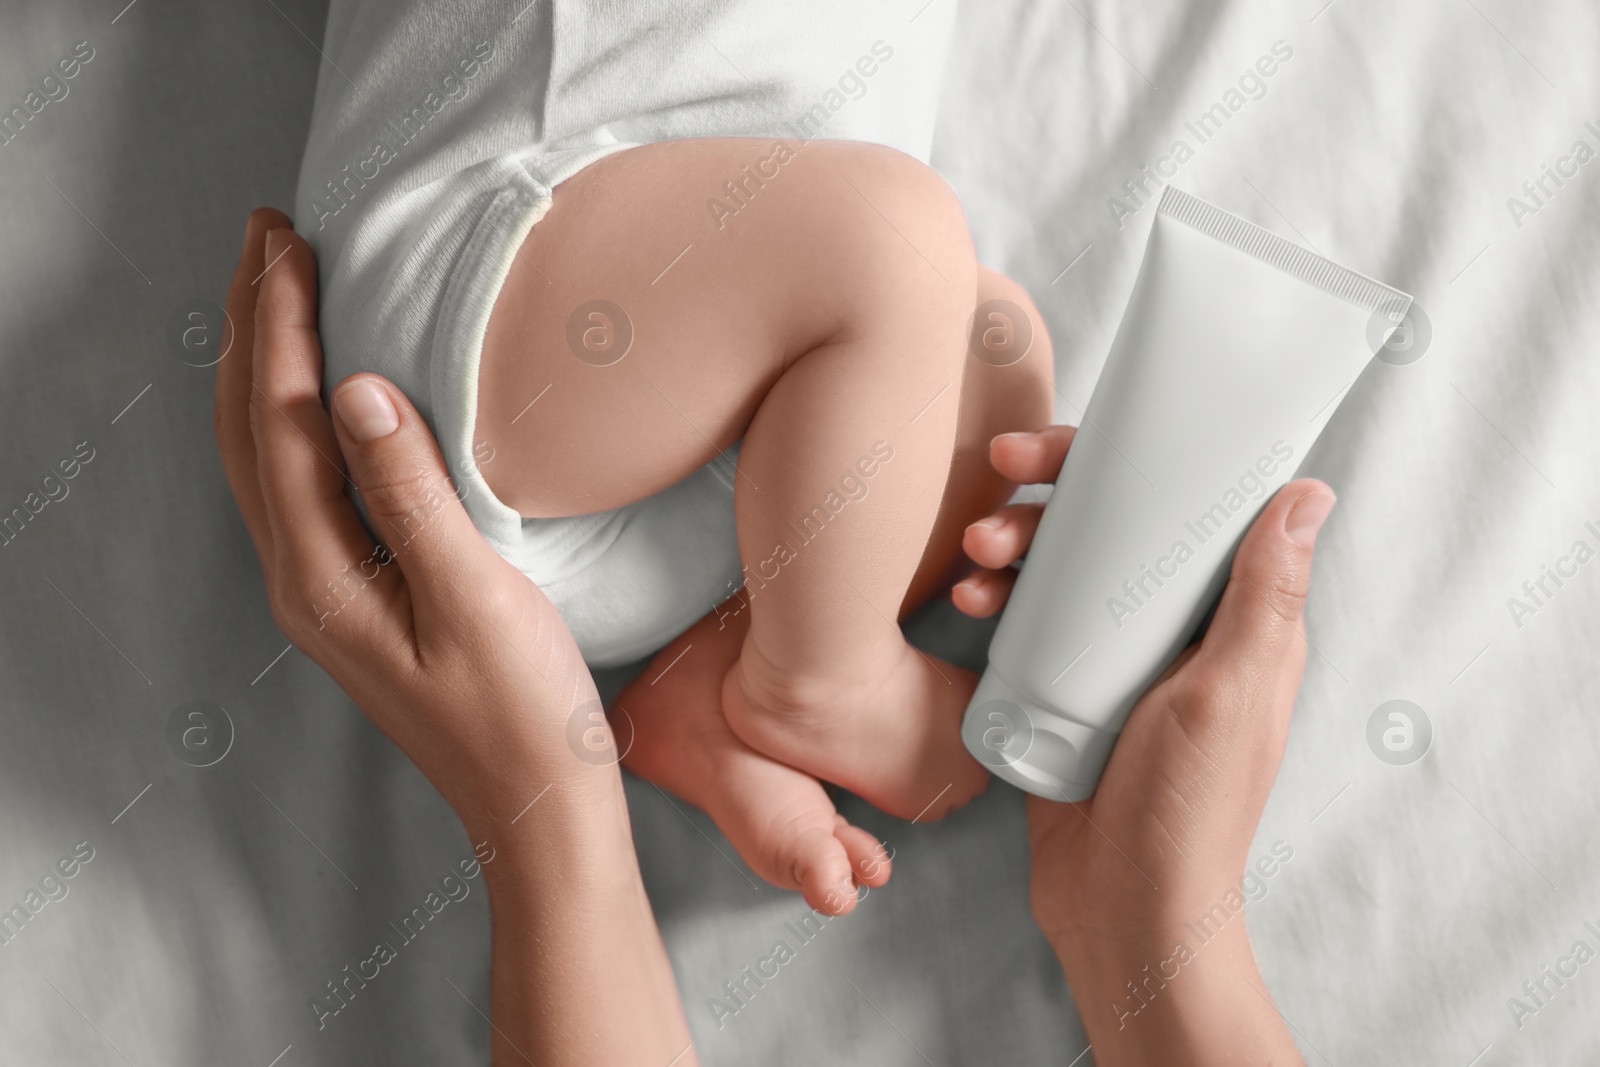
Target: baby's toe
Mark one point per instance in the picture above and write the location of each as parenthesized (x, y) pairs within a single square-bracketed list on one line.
[(870, 859), (821, 868), (782, 823)]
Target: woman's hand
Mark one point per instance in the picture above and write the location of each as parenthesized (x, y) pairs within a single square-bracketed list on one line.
[(1122, 881), (453, 654)]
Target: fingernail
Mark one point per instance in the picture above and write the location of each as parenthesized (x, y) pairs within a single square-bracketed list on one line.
[(1016, 434), (993, 522), (1307, 517), (847, 888), (365, 410)]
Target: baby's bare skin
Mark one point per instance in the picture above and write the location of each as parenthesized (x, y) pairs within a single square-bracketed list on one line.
[(826, 324)]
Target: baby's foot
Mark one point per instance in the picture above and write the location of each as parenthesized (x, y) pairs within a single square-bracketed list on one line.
[(892, 735), (779, 819)]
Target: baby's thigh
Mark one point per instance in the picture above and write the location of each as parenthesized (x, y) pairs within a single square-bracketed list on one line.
[(647, 315)]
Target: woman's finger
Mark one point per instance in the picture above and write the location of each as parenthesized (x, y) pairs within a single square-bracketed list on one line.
[(317, 538), (1257, 638), (1031, 457), (396, 465), (1002, 538), (982, 594), (231, 416)]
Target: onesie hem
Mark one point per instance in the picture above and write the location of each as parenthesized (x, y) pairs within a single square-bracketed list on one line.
[(546, 550)]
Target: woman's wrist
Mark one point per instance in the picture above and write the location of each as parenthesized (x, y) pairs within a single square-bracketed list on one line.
[(576, 947), (528, 774), (547, 803), (572, 837), (1175, 993)]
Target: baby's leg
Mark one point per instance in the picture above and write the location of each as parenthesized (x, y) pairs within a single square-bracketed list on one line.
[(1009, 387), (781, 821), (825, 323)]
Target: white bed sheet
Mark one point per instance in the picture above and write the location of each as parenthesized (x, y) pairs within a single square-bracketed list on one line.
[(1419, 898)]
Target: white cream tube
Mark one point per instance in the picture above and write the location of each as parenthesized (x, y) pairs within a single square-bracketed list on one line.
[(1233, 353)]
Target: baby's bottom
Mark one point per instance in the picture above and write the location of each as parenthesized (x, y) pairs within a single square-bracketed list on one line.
[(825, 323)]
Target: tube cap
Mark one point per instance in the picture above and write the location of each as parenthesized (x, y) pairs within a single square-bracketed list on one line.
[(1031, 746)]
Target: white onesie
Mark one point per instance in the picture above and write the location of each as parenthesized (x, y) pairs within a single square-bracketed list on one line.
[(438, 133)]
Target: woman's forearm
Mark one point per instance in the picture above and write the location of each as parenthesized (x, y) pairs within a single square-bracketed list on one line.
[(1171, 998), (1139, 888), (580, 973)]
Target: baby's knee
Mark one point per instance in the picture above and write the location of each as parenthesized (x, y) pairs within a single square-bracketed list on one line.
[(902, 231)]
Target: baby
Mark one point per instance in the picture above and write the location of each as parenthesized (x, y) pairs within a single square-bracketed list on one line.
[(702, 338)]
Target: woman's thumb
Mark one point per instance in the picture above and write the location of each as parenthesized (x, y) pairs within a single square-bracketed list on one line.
[(1258, 632), (406, 488)]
